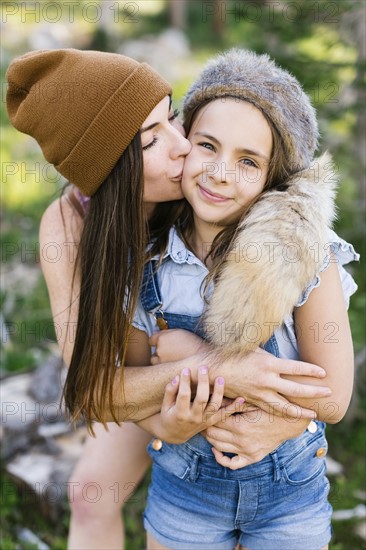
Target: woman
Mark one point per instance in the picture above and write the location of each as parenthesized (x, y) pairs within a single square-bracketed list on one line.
[(105, 122)]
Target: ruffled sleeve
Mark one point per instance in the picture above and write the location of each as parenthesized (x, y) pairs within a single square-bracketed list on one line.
[(343, 253), (143, 320)]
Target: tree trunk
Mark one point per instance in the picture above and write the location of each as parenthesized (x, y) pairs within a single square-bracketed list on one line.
[(178, 14), (219, 19), (360, 141)]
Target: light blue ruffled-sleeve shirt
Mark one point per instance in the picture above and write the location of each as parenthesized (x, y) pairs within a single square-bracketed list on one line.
[(181, 280)]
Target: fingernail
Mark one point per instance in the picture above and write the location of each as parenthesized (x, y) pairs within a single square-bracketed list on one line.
[(328, 391), (220, 381), (203, 370), (241, 401), (186, 371), (175, 380), (322, 372)]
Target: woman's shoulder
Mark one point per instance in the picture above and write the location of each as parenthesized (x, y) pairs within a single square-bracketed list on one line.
[(59, 221), (59, 237)]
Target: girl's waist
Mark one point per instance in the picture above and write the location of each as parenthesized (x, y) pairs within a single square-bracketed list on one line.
[(309, 444)]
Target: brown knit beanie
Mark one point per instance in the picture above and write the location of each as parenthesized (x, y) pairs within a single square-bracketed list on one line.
[(256, 78), (83, 108)]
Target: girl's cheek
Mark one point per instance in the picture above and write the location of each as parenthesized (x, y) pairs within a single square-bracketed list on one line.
[(189, 156), (187, 164), (184, 183)]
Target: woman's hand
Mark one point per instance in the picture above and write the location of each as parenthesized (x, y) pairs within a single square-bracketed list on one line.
[(180, 419), (251, 435), (174, 345), (258, 377)]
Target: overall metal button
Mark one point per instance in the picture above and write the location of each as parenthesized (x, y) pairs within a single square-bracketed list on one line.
[(321, 452)]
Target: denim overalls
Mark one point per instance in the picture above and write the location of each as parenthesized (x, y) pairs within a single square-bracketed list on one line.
[(196, 503), (151, 301)]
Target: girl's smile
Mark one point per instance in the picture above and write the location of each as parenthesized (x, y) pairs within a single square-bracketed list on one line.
[(212, 197)]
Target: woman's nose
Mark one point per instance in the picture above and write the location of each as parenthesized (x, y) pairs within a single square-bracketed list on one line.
[(181, 146)]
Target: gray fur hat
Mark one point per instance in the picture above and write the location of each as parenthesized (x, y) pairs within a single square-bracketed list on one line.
[(274, 91)]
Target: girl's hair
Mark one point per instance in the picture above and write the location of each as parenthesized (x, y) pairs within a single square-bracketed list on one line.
[(110, 260), (278, 172)]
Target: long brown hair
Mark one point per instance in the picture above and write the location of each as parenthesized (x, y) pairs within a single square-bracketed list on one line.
[(278, 172), (110, 260)]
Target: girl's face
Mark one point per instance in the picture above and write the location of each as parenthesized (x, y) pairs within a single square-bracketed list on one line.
[(164, 150), (228, 163)]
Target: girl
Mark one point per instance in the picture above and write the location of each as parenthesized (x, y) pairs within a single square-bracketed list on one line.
[(243, 145), (105, 122)]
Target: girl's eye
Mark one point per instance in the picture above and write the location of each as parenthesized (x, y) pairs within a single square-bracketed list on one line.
[(146, 147), (174, 115), (208, 146), (249, 162)]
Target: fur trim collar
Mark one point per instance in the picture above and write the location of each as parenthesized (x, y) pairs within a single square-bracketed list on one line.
[(279, 248)]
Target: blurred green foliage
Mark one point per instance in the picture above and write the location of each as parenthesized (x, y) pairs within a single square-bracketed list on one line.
[(317, 42), (20, 509)]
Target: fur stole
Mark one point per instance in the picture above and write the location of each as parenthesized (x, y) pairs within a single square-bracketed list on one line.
[(279, 248)]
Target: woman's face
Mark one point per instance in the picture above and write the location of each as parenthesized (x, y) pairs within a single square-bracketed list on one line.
[(164, 150)]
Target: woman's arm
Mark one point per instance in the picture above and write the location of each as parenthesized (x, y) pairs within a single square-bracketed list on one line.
[(260, 381), (58, 248), (258, 374)]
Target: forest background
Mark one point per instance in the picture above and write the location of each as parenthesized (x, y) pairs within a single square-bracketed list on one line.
[(321, 43)]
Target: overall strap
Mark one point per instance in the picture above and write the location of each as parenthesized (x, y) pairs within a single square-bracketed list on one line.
[(272, 346), (150, 294)]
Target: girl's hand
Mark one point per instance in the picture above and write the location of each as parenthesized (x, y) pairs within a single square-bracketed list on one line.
[(251, 435), (174, 345), (180, 419)]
